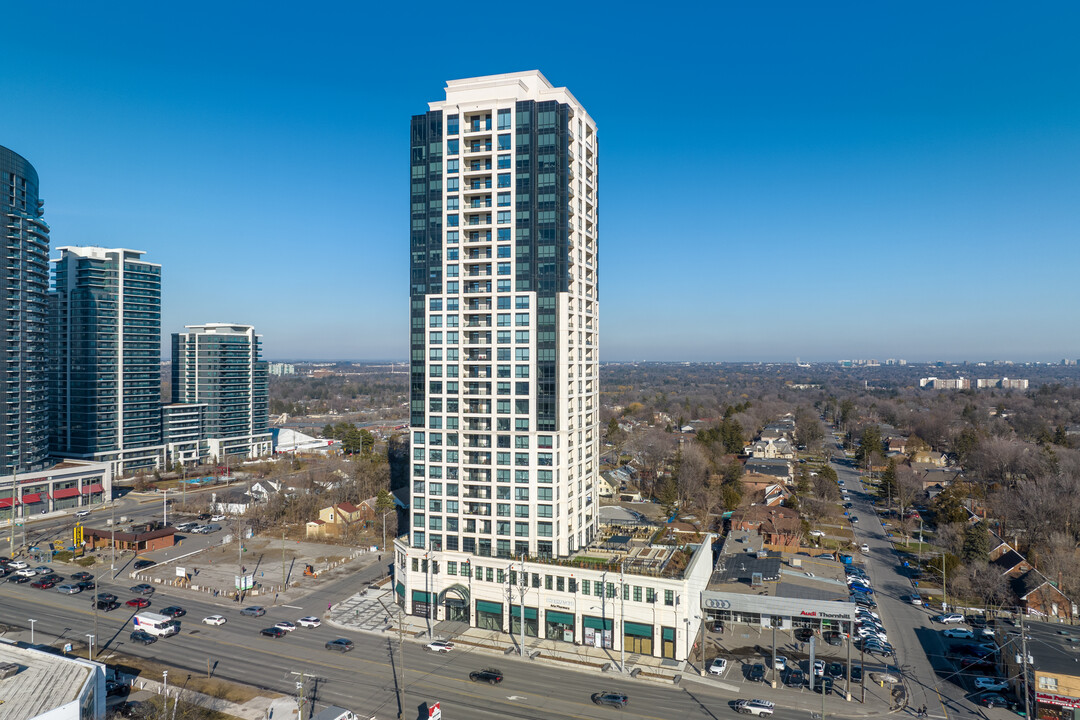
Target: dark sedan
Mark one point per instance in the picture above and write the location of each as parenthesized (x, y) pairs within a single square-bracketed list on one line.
[(82, 576), (86, 585), (174, 611), (488, 675), (141, 636), (274, 632), (340, 645)]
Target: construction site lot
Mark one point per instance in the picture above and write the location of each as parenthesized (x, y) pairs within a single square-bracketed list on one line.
[(266, 567)]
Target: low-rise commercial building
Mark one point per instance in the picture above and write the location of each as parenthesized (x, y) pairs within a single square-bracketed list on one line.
[(1053, 674), (68, 484), (756, 587), (35, 684), (618, 593)]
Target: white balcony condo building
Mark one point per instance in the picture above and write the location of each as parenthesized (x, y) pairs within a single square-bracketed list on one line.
[(504, 388)]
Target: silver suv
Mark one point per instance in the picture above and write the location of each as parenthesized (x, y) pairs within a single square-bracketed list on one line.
[(761, 708)]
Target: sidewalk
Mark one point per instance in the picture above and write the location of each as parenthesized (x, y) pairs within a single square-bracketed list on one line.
[(367, 612)]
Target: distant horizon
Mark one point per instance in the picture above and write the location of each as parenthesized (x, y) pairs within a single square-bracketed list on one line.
[(997, 362)]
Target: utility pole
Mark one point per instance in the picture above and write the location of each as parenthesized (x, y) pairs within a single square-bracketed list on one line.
[(401, 651), (112, 537), (622, 616), (847, 685), (944, 604), (1023, 650), (523, 586), (165, 507), (282, 559), (701, 642), (862, 666), (772, 672)]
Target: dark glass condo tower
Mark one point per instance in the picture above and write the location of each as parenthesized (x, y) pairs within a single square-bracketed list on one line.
[(24, 280)]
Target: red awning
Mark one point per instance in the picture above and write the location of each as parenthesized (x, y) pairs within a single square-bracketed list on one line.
[(88, 489), (7, 502), (65, 493), (31, 498)]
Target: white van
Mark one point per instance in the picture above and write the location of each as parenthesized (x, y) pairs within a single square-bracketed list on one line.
[(156, 625)]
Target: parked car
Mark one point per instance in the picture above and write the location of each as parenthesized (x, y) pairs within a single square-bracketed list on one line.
[(854, 519), (757, 673), (856, 674), (141, 636), (340, 645), (833, 637), (214, 620), (488, 675), (274, 632), (217, 518), (254, 611), (816, 533), (986, 683), (174, 611), (139, 602), (961, 633), (914, 599), (610, 699), (992, 700), (795, 678), (819, 668), (804, 634), (864, 548), (18, 565), (949, 618), (140, 564), (823, 685), (835, 670), (440, 646), (780, 662), (761, 708), (718, 666), (309, 622)]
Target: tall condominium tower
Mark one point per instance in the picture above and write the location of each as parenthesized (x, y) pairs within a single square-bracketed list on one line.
[(24, 283), (105, 389), (504, 321), (217, 365)]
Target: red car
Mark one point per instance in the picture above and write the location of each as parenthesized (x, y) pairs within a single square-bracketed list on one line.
[(43, 584), (138, 602)]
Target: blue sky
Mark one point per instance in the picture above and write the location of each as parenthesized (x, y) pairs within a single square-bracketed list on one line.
[(821, 180)]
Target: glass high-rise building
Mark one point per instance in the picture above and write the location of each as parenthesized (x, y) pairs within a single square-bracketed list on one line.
[(217, 365), (504, 321), (24, 284), (105, 399)]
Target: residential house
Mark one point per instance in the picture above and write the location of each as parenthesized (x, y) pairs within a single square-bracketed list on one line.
[(1039, 596), (763, 490), (898, 445), (232, 502), (336, 520), (929, 457), (772, 449), (606, 486), (935, 476), (777, 526), (776, 467)]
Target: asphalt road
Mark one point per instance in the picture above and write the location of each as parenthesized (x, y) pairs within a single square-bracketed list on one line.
[(362, 680), (919, 645)]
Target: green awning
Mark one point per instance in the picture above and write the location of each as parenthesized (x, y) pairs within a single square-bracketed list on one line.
[(400, 589), (633, 628), (668, 634), (596, 623), (488, 607), (559, 617), (421, 596), (530, 613)]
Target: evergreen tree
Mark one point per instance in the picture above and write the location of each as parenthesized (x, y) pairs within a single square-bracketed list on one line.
[(976, 543)]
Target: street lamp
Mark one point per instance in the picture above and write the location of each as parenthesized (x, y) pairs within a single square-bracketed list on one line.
[(165, 687), (90, 647), (32, 631)]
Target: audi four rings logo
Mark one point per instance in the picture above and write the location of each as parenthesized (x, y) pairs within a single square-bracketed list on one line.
[(718, 604)]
